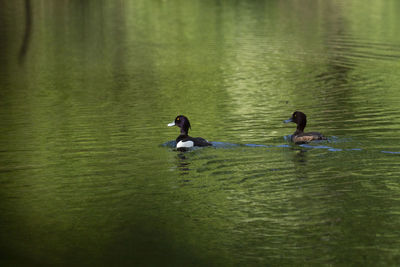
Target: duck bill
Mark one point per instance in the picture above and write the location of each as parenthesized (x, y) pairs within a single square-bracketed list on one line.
[(171, 124), (288, 120)]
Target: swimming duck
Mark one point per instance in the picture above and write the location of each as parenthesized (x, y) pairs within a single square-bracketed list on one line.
[(299, 136), (184, 140)]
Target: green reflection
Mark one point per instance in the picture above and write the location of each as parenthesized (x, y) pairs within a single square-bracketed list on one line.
[(86, 90)]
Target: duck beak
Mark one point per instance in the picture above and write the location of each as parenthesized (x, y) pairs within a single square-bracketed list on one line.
[(171, 124), (288, 120)]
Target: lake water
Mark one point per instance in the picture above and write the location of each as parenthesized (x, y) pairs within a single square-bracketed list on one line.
[(88, 172)]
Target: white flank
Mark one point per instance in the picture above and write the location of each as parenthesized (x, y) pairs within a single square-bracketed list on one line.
[(184, 144)]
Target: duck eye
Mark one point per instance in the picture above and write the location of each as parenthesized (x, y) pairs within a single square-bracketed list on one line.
[(177, 119)]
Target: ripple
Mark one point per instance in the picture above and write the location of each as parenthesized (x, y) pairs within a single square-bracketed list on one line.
[(391, 152)]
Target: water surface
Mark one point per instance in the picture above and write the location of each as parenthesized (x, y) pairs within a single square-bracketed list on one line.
[(89, 176)]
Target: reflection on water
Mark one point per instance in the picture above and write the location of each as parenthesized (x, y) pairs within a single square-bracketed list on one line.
[(183, 164), (89, 175), (27, 34)]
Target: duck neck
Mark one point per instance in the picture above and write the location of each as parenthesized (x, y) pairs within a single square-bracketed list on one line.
[(184, 131), (300, 127), (298, 131)]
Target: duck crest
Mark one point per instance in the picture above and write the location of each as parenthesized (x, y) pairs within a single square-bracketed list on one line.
[(301, 120), (183, 123)]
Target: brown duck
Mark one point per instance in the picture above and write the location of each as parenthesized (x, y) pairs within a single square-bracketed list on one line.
[(299, 136)]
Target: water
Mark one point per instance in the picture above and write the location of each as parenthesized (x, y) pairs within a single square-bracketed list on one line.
[(88, 172)]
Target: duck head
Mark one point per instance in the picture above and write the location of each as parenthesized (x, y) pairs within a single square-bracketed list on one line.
[(182, 122), (299, 118)]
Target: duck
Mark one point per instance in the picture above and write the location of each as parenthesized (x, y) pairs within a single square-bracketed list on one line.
[(299, 136), (184, 140)]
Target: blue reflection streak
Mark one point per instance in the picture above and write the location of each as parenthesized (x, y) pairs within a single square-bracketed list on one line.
[(172, 144), (390, 152), (255, 145)]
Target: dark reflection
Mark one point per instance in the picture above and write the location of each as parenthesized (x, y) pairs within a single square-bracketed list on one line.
[(339, 64), (183, 164), (338, 77), (27, 33), (300, 162), (300, 158)]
